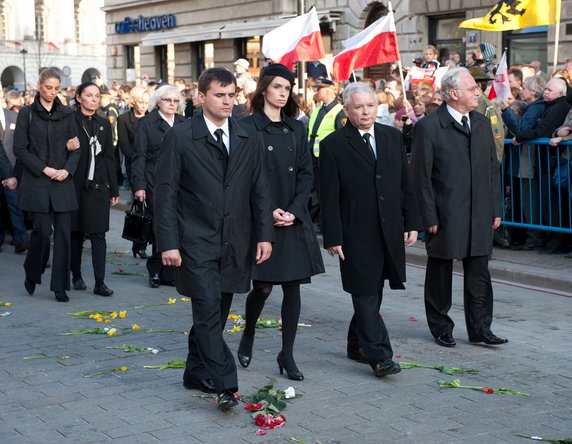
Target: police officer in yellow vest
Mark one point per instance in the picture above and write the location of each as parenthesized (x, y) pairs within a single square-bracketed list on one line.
[(323, 121)]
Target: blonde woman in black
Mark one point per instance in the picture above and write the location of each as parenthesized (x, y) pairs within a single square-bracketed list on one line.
[(295, 254)]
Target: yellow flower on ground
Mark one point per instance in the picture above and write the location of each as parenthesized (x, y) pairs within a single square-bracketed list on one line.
[(112, 332), (135, 327), (122, 314), (100, 319), (122, 369), (235, 329), (64, 357), (6, 304), (172, 301), (185, 299), (108, 321), (234, 317), (113, 315)]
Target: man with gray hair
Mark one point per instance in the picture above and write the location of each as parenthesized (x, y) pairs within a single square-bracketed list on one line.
[(369, 214), (457, 182)]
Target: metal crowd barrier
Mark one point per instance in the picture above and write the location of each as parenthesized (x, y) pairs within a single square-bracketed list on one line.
[(540, 185)]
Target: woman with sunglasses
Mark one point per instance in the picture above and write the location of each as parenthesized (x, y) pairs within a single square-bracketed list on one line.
[(167, 106), (96, 187), (295, 254)]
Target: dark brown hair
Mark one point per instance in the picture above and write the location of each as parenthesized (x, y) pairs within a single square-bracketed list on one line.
[(291, 108), (221, 75)]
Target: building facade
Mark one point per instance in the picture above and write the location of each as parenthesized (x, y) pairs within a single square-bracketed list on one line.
[(65, 34), (167, 39)]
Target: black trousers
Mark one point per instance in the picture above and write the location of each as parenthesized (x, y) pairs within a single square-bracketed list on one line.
[(39, 250), (98, 251), (367, 329), (209, 355), (477, 295)]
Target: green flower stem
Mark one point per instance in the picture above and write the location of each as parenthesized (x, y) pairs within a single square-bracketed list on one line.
[(47, 357), (441, 368), (176, 363)]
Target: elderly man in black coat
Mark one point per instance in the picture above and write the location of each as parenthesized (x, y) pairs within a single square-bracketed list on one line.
[(213, 211), (455, 171), (369, 213)]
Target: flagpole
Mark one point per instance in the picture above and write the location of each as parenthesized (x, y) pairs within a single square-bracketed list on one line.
[(390, 8), (557, 37), (302, 65), (354, 76)]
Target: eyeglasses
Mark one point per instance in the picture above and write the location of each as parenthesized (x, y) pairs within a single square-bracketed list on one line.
[(166, 99), (472, 89)]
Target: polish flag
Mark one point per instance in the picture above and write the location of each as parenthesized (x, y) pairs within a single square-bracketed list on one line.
[(299, 40), (54, 45), (375, 44), (500, 89)]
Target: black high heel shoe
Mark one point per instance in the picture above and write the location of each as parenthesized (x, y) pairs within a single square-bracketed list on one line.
[(244, 353), (294, 374), (141, 253)]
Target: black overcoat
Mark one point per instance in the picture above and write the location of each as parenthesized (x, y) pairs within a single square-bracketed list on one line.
[(127, 124), (367, 205), (94, 196), (457, 184), (207, 215), (40, 141), (296, 252), (148, 138)]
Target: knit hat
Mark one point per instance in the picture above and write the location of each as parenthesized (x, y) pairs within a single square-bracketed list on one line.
[(489, 51)]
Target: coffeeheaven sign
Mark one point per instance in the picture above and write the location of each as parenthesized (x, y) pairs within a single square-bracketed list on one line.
[(144, 24)]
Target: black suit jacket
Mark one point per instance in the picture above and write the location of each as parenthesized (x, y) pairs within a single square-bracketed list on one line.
[(126, 129), (367, 205), (207, 214), (457, 183)]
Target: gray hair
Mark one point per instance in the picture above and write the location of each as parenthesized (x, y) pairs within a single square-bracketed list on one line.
[(536, 85), (451, 80), (355, 87), (162, 92), (560, 85)]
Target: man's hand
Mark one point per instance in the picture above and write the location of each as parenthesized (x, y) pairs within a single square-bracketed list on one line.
[(564, 131), (172, 258), (504, 104), (140, 195), (11, 183), (50, 172), (114, 200), (555, 141), (60, 175), (263, 251), (433, 229), (282, 218), (410, 237), (496, 222), (72, 144), (337, 250), (514, 142)]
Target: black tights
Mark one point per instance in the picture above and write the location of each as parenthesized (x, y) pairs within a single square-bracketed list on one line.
[(290, 316)]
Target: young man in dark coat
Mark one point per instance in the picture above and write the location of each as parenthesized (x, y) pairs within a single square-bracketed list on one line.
[(369, 213), (213, 211), (455, 171)]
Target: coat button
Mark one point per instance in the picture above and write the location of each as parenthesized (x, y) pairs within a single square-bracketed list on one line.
[(226, 214), (381, 197), (270, 148), (378, 176), (285, 130), (290, 149), (290, 168)]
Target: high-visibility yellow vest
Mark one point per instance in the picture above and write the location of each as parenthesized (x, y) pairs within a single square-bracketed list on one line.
[(327, 126)]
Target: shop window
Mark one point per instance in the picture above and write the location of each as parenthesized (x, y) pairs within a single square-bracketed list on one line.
[(129, 53), (161, 68), (205, 56), (525, 45), (446, 36), (249, 49)]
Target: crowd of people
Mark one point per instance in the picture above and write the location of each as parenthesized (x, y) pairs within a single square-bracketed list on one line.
[(240, 173)]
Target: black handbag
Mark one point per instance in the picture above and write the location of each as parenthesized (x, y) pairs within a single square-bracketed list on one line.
[(137, 226)]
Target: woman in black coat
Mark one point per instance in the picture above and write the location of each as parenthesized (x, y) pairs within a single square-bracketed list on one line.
[(167, 104), (295, 254), (43, 130), (95, 185), (126, 129)]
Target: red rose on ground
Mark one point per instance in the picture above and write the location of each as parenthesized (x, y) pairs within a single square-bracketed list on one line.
[(259, 420), (488, 390)]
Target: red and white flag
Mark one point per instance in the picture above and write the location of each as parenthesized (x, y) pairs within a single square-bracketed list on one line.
[(500, 89), (299, 40), (375, 44), (55, 45)]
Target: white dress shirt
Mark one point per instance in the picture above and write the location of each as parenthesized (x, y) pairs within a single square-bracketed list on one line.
[(458, 116), (371, 131), (170, 122), (225, 132)]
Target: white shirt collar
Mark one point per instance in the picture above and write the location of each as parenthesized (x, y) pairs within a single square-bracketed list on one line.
[(3, 118), (370, 131), (170, 122), (225, 130), (457, 115)]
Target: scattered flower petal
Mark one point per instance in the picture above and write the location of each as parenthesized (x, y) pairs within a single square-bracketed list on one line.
[(290, 392), (135, 327)]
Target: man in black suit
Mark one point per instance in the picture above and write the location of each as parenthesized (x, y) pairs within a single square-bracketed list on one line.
[(213, 211), (369, 214), (457, 182)]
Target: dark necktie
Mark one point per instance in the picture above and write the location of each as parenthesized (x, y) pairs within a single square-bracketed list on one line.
[(367, 140), (222, 147), (465, 123)]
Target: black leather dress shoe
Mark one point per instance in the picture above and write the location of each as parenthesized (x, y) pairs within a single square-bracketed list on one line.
[(102, 290), (167, 283), (387, 367), (78, 284), (357, 354), (154, 281), (21, 248), (226, 401), (61, 296), (205, 385), (445, 340), (29, 286), (490, 339)]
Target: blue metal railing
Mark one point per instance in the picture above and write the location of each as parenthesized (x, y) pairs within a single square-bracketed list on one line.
[(540, 185)]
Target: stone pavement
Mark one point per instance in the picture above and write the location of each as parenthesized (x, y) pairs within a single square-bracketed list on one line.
[(50, 400)]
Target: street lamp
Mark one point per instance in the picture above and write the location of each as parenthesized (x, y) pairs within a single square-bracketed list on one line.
[(24, 51)]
